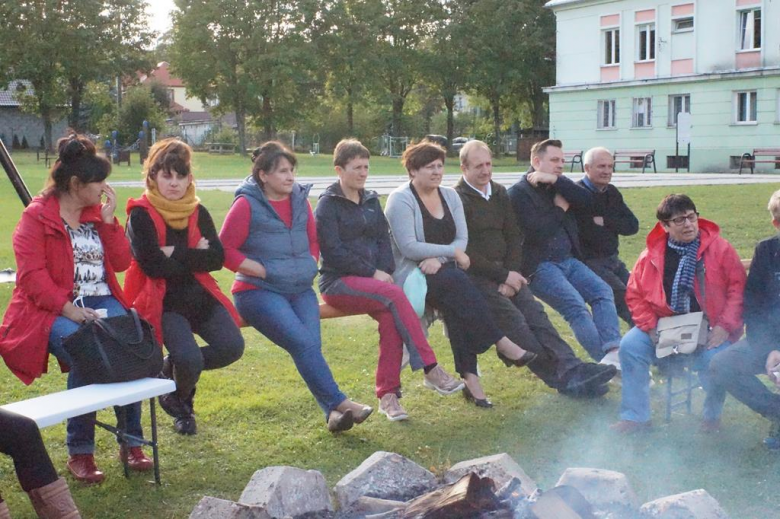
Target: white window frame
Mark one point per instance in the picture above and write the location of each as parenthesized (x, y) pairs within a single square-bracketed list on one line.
[(683, 19), (609, 104), (751, 106), (646, 113), (686, 102), (612, 33), (746, 28), (651, 39), (777, 107)]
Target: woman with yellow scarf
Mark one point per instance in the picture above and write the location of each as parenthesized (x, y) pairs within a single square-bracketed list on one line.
[(175, 245)]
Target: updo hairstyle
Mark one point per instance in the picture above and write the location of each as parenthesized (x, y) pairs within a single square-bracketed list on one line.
[(77, 157)]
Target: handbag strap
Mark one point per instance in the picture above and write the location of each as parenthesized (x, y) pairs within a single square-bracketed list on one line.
[(111, 332), (101, 350)]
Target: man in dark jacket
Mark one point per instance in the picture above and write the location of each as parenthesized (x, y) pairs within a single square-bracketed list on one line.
[(735, 368), (601, 224), (541, 201), (495, 251)]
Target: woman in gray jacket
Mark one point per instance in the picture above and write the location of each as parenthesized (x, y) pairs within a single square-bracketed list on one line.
[(430, 233)]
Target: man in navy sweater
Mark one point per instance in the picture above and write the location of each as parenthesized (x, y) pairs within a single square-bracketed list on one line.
[(601, 225), (542, 200), (735, 368)]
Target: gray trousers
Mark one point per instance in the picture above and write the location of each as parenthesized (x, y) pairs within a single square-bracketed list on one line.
[(523, 319), (735, 369), (615, 274)]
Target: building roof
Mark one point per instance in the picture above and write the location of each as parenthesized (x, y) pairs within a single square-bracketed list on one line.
[(8, 96), (163, 76)]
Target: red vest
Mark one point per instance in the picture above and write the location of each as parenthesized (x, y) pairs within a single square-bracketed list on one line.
[(146, 294)]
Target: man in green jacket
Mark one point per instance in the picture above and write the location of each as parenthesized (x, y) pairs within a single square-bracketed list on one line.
[(495, 250)]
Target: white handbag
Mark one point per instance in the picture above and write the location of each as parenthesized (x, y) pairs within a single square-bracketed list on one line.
[(686, 332), (681, 334)]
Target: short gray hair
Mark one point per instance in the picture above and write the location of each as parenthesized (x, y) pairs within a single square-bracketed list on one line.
[(587, 159), (774, 205), (470, 145)]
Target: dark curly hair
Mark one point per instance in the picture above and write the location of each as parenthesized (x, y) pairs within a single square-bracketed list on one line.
[(77, 157), (266, 159)]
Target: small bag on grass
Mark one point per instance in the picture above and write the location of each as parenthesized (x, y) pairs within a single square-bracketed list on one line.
[(115, 349)]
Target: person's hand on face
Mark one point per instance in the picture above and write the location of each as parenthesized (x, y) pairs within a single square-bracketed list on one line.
[(108, 208)]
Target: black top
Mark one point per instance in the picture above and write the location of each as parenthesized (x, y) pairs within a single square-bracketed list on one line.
[(671, 262), (354, 238), (762, 295), (440, 231), (601, 241), (183, 295)]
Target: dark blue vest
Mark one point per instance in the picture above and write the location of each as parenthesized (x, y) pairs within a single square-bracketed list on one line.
[(283, 251)]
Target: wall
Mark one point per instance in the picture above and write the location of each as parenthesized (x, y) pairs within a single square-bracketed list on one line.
[(14, 122)]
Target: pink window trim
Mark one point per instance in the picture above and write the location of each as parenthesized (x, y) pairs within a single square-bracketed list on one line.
[(749, 59), (682, 10), (741, 3), (681, 67), (648, 15), (644, 70), (610, 73), (610, 20)]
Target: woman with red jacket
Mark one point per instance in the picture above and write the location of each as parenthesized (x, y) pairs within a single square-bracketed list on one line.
[(665, 282), (175, 246), (68, 247)]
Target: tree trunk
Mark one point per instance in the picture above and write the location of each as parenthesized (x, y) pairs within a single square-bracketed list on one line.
[(241, 123), (268, 119), (46, 117), (449, 102), (398, 111), (76, 93), (350, 112), (495, 106)]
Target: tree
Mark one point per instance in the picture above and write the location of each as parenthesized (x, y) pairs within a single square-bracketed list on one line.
[(138, 106), (511, 47), (31, 47)]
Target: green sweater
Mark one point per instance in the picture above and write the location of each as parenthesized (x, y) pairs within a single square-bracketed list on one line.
[(495, 240)]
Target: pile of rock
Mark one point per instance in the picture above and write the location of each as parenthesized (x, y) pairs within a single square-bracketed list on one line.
[(389, 486)]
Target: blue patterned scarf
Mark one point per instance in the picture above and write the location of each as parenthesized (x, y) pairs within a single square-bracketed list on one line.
[(682, 286)]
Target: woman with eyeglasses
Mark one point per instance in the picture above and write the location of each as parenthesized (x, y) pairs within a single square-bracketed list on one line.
[(665, 282)]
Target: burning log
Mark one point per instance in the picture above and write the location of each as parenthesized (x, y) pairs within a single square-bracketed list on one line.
[(468, 497)]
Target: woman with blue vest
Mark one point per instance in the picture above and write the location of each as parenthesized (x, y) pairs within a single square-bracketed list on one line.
[(270, 241)]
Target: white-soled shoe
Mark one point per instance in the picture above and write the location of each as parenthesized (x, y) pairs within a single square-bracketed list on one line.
[(611, 359)]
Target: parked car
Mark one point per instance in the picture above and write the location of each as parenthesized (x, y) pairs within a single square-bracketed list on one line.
[(458, 142), (438, 139)]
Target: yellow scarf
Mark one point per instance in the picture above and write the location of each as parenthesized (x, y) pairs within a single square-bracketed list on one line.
[(176, 213)]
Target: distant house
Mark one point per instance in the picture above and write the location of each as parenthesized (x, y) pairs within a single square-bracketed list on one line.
[(15, 125), (627, 68), (177, 91), (195, 126)]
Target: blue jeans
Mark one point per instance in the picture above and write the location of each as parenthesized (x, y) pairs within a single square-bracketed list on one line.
[(567, 287), (637, 353), (292, 321), (81, 429)]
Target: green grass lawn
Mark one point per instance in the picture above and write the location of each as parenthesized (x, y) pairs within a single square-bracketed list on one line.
[(258, 412)]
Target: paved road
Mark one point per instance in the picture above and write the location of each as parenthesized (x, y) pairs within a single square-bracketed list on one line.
[(385, 184)]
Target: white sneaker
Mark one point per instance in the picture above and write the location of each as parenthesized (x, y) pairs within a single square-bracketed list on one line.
[(391, 408), (442, 382), (612, 359)]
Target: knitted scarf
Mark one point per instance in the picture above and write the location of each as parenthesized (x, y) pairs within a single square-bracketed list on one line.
[(682, 286), (176, 213)]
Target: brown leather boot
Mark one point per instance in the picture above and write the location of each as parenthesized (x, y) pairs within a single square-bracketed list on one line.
[(54, 501), (83, 468), (4, 513)]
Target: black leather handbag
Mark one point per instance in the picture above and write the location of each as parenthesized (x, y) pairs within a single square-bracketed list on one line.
[(114, 349)]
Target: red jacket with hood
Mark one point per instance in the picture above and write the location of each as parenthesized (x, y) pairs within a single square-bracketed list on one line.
[(146, 294), (44, 281), (724, 280)]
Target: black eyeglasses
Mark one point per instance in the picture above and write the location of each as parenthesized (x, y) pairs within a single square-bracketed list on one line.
[(680, 220)]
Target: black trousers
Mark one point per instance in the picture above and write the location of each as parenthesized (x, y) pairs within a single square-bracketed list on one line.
[(735, 369), (615, 274), (21, 439), (470, 326), (225, 345), (525, 322)]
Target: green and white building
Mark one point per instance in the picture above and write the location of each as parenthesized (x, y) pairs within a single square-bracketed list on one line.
[(626, 68)]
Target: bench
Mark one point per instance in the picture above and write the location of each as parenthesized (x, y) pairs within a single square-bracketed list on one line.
[(750, 159), (573, 157), (222, 148), (54, 408), (636, 158)]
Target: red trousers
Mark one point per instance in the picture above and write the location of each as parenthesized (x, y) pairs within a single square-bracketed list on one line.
[(387, 304)]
